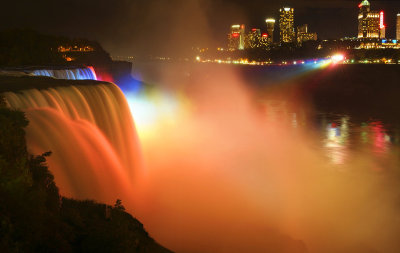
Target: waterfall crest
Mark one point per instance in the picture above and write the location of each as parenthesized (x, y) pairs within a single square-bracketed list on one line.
[(87, 73), (93, 119)]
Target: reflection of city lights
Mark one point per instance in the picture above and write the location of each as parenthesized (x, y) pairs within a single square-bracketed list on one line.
[(336, 141), (380, 139)]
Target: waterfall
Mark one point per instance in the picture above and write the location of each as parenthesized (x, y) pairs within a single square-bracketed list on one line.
[(87, 73), (91, 133)]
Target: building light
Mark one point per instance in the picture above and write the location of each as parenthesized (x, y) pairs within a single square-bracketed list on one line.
[(381, 25)]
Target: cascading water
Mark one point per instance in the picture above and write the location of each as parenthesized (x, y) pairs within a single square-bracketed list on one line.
[(87, 73), (88, 127)]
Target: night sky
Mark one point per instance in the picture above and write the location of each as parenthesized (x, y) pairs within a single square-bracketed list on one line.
[(132, 27)]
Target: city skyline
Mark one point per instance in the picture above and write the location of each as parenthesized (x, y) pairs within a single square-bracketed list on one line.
[(130, 27)]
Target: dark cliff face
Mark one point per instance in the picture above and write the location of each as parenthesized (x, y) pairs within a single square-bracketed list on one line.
[(29, 48), (35, 218)]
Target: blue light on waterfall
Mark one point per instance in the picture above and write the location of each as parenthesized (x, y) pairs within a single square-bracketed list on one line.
[(70, 74)]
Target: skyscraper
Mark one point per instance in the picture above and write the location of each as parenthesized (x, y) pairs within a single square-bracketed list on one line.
[(270, 29), (382, 27), (253, 38), (236, 37), (286, 25), (368, 22), (398, 27)]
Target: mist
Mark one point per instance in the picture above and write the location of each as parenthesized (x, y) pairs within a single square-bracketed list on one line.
[(227, 171)]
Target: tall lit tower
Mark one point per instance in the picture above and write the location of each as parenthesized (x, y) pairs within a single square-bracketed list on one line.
[(270, 29), (382, 27), (362, 18), (253, 38), (286, 25), (398, 27), (368, 22), (236, 37)]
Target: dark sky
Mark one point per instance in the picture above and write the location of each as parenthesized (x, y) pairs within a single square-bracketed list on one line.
[(130, 27)]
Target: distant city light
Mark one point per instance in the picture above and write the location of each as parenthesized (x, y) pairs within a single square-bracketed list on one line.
[(270, 20), (337, 58), (286, 9), (235, 26)]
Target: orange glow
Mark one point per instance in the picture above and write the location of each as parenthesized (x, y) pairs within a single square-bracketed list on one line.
[(220, 166)]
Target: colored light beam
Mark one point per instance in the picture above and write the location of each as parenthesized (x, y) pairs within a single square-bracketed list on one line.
[(152, 108)]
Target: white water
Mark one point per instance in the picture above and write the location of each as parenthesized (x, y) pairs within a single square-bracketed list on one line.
[(70, 74)]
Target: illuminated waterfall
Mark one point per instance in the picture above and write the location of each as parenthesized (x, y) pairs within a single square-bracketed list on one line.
[(90, 131), (70, 74)]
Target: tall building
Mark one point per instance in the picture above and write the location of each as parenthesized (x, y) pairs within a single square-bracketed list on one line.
[(270, 29), (368, 22), (303, 34), (398, 27), (264, 41), (236, 37), (382, 27), (253, 38), (286, 25)]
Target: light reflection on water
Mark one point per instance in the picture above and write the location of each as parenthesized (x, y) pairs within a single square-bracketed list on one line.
[(343, 138)]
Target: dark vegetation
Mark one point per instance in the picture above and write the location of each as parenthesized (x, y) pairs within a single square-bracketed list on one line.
[(35, 218), (20, 48)]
